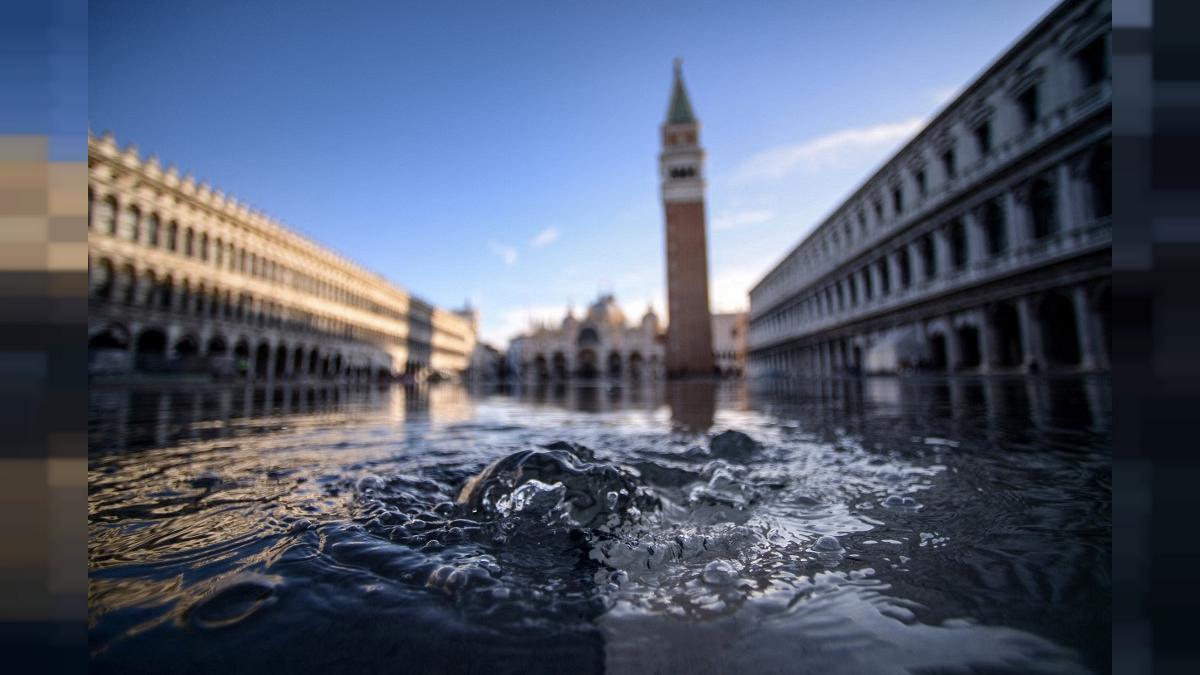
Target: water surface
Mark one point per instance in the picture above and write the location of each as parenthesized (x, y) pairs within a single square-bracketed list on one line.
[(868, 525)]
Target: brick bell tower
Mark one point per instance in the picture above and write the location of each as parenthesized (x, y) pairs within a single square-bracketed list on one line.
[(681, 172)]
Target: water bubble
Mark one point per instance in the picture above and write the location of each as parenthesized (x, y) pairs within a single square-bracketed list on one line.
[(719, 573), (827, 544)]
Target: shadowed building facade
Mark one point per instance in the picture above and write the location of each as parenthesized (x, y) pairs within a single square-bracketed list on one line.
[(183, 279), (983, 245), (681, 172)]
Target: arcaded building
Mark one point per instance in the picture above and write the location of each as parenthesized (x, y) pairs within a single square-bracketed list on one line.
[(983, 245), (681, 172), (601, 343), (183, 279)]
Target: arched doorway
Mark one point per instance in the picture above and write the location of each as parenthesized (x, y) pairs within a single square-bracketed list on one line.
[(281, 359), (968, 345), (560, 365), (241, 358), (585, 364), (1060, 335), (216, 346), (635, 365), (937, 353), (541, 368), (298, 361), (112, 337), (151, 349), (312, 361), (614, 364), (262, 361), (108, 350), (1006, 331)]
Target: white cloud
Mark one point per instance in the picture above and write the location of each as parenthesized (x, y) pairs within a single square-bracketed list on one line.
[(514, 321), (507, 253), (729, 290), (729, 220), (545, 237), (829, 150)]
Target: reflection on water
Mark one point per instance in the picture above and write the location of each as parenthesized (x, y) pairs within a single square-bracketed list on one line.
[(866, 525)]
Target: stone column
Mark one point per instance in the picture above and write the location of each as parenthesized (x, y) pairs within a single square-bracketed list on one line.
[(941, 249), (1085, 328), (953, 347), (174, 331), (916, 264), (986, 344), (876, 281), (1031, 336), (1016, 207), (177, 300), (1067, 198)]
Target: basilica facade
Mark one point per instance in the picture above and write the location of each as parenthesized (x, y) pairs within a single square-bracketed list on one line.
[(600, 343)]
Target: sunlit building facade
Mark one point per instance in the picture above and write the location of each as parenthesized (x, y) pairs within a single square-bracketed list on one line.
[(183, 279), (601, 343), (983, 245)]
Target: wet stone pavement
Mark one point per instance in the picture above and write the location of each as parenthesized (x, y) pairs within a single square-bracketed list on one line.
[(875, 525)]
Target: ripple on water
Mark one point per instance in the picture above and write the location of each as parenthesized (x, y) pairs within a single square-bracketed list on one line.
[(233, 600)]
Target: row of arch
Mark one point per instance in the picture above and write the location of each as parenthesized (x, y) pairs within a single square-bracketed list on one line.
[(151, 350), (1061, 329), (587, 364), (146, 289)]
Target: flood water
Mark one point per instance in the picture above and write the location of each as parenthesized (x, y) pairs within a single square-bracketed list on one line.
[(871, 525)]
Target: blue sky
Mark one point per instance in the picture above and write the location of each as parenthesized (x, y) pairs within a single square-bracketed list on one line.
[(506, 152)]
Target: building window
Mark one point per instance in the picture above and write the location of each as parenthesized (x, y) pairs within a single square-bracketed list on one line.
[(1042, 205), (1100, 179), (897, 201), (958, 244), (862, 222), (203, 247), (130, 218), (172, 236), (993, 224), (868, 287), (189, 243), (920, 180), (902, 266), (108, 215), (928, 256), (152, 230), (853, 288), (878, 211), (948, 163), (1093, 62), (885, 282), (983, 138), (1028, 103)]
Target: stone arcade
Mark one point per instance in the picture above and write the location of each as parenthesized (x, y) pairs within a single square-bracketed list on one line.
[(184, 279), (983, 245)]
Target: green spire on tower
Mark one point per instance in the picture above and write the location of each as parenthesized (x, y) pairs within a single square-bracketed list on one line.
[(680, 110)]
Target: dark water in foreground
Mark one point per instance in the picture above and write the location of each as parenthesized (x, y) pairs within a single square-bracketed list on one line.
[(880, 526)]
